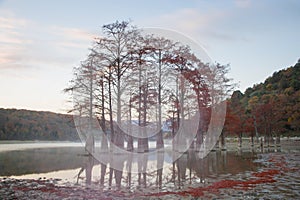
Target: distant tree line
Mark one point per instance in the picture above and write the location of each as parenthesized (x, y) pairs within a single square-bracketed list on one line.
[(36, 125), (270, 109)]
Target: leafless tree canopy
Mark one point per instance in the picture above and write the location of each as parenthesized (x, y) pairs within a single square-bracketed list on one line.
[(133, 84)]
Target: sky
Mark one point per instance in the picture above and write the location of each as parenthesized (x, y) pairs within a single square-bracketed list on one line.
[(41, 41)]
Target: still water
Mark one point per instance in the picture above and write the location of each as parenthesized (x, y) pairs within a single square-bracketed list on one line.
[(272, 173)]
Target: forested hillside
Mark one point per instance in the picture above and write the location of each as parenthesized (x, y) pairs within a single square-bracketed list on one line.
[(267, 109), (271, 108), (34, 125)]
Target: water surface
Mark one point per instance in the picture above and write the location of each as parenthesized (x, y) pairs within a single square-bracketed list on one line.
[(212, 177)]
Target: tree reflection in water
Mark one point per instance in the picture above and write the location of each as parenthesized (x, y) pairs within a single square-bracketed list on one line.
[(186, 171)]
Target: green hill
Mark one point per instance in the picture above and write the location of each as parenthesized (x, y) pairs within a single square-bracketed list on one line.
[(270, 108), (36, 125)]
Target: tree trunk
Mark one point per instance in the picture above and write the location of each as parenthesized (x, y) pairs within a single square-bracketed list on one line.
[(111, 172), (252, 140), (104, 144), (130, 138), (102, 175), (145, 140), (159, 139), (240, 140), (199, 136), (118, 177), (278, 140), (140, 140), (255, 127), (119, 136), (88, 169), (182, 141), (223, 147), (112, 132), (90, 143)]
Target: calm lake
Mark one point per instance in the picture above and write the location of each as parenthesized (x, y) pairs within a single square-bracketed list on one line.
[(249, 173)]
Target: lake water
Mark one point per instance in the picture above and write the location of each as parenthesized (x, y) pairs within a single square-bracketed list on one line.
[(242, 174)]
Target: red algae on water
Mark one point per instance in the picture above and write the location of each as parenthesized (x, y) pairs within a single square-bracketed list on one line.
[(223, 184), (263, 177), (268, 173)]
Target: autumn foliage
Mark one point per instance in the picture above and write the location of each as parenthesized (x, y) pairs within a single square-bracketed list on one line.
[(267, 109)]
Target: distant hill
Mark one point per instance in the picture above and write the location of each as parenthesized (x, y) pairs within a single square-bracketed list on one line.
[(268, 108), (36, 125)]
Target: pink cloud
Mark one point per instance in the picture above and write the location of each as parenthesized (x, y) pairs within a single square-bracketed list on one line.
[(74, 34), (25, 44)]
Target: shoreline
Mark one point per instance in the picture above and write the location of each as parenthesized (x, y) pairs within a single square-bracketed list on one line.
[(29, 189), (10, 145), (23, 145), (275, 171)]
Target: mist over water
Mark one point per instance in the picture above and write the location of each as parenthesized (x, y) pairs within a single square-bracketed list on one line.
[(69, 165)]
